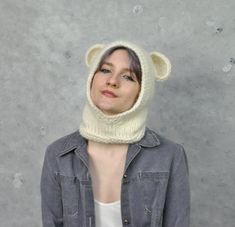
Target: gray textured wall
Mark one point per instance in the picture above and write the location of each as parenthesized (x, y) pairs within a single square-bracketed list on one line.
[(43, 74)]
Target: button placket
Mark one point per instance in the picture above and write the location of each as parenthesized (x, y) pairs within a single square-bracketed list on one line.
[(125, 200)]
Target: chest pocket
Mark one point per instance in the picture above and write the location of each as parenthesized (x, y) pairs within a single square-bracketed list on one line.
[(153, 187), (70, 189)]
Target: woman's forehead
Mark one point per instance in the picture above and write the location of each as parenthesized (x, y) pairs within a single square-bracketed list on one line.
[(116, 57)]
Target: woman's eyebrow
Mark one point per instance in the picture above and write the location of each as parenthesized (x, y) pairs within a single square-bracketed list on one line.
[(107, 63)]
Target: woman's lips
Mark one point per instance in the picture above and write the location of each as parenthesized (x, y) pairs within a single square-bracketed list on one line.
[(109, 94)]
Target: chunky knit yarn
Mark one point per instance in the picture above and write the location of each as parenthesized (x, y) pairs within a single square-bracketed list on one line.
[(128, 126)]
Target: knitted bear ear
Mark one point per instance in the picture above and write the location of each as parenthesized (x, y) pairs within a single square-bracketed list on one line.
[(162, 65), (92, 52)]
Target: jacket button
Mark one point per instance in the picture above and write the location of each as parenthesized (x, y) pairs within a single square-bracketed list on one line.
[(125, 179), (126, 222)]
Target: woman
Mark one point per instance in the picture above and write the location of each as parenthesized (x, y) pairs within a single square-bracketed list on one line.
[(114, 171)]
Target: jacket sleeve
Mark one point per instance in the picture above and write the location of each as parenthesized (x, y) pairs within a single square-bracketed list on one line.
[(51, 201), (177, 206)]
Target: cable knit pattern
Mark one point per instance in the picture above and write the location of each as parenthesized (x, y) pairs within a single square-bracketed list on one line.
[(126, 127)]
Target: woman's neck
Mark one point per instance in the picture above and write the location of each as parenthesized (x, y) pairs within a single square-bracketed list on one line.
[(106, 148)]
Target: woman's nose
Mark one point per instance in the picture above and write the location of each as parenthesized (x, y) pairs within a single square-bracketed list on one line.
[(113, 81)]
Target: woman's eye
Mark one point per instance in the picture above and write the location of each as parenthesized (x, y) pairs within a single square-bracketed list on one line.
[(128, 77), (103, 70)]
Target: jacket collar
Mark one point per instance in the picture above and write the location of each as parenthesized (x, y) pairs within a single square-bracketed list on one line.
[(150, 139), (77, 142)]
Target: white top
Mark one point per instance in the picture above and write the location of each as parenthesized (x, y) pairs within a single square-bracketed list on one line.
[(108, 214)]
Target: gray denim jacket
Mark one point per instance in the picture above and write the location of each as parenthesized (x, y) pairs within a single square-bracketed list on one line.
[(154, 190)]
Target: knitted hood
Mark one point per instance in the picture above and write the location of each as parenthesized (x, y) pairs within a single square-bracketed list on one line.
[(128, 126)]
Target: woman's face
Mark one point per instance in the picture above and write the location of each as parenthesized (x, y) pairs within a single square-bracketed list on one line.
[(114, 87)]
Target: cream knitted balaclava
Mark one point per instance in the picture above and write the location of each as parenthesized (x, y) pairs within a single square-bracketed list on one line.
[(128, 126)]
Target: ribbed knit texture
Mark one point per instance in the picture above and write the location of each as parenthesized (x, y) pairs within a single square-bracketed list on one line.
[(126, 127)]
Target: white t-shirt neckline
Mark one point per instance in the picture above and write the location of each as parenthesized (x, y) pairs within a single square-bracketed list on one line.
[(107, 204)]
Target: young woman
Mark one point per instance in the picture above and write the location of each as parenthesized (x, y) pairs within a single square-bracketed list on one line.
[(114, 171)]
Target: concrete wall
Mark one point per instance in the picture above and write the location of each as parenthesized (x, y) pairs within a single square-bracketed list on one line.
[(43, 75)]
